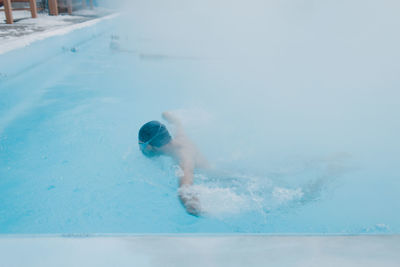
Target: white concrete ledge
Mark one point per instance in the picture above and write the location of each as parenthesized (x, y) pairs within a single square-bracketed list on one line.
[(199, 250)]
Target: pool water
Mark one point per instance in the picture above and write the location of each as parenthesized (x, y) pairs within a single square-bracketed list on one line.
[(298, 116)]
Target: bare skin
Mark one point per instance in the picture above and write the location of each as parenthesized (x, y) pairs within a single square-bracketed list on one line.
[(182, 149)]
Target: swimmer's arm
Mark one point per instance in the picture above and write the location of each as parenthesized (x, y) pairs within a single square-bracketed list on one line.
[(188, 169), (189, 201), (200, 160)]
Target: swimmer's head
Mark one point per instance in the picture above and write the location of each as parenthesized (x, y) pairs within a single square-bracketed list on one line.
[(152, 136)]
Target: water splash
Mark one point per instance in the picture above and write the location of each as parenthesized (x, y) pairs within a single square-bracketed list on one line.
[(225, 194)]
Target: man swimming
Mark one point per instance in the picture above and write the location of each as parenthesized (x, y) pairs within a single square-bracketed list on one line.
[(155, 140)]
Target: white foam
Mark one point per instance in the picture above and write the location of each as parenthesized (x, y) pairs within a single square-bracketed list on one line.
[(219, 202), (284, 195), (224, 195)]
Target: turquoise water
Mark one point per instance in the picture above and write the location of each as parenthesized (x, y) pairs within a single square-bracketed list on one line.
[(299, 121)]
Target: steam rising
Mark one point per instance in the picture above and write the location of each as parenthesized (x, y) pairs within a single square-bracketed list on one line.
[(264, 82)]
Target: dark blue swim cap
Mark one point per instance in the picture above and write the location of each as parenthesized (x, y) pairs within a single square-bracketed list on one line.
[(155, 133)]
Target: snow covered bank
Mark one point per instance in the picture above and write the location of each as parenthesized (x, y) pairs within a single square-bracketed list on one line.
[(26, 31), (39, 46)]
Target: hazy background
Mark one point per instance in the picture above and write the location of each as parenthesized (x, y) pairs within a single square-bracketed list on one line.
[(298, 91), (307, 75)]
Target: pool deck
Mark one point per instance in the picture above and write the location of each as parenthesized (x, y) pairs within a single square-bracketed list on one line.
[(199, 250), (26, 30)]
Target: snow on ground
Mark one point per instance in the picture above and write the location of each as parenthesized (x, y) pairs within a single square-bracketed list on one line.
[(26, 30)]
